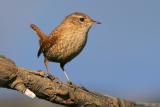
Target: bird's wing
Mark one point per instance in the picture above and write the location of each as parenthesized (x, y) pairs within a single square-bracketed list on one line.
[(50, 41), (47, 44)]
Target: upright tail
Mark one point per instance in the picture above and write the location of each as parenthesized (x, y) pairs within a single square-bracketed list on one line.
[(40, 34)]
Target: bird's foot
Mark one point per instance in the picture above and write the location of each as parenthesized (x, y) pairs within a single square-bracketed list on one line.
[(72, 94), (44, 74), (53, 78), (40, 73), (71, 84)]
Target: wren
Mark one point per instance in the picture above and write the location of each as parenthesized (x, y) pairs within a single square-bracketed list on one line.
[(66, 41)]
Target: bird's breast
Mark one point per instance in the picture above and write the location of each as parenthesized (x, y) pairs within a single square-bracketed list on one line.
[(67, 47)]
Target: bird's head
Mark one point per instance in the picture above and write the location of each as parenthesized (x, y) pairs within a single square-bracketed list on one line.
[(80, 21)]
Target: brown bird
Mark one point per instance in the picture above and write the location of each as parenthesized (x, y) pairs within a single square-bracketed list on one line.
[(66, 41)]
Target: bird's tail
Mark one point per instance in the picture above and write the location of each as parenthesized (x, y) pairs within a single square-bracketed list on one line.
[(40, 34)]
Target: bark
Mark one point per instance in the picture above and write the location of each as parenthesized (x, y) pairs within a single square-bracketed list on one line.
[(27, 81)]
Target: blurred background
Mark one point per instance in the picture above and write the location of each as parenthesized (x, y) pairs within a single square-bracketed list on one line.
[(121, 58)]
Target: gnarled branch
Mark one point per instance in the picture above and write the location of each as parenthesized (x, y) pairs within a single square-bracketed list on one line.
[(33, 83)]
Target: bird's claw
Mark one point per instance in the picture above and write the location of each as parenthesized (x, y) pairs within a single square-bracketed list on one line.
[(53, 78), (50, 77), (40, 73), (71, 84)]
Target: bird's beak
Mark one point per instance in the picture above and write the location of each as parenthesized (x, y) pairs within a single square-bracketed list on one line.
[(96, 22)]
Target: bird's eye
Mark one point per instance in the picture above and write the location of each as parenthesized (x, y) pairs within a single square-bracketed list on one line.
[(81, 19)]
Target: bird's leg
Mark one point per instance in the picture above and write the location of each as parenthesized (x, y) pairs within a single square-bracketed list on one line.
[(62, 67), (50, 76), (68, 80), (46, 65), (66, 76)]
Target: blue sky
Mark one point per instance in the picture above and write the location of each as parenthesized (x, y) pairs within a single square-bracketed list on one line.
[(122, 55)]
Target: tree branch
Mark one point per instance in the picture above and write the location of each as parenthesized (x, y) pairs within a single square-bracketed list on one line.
[(34, 83)]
